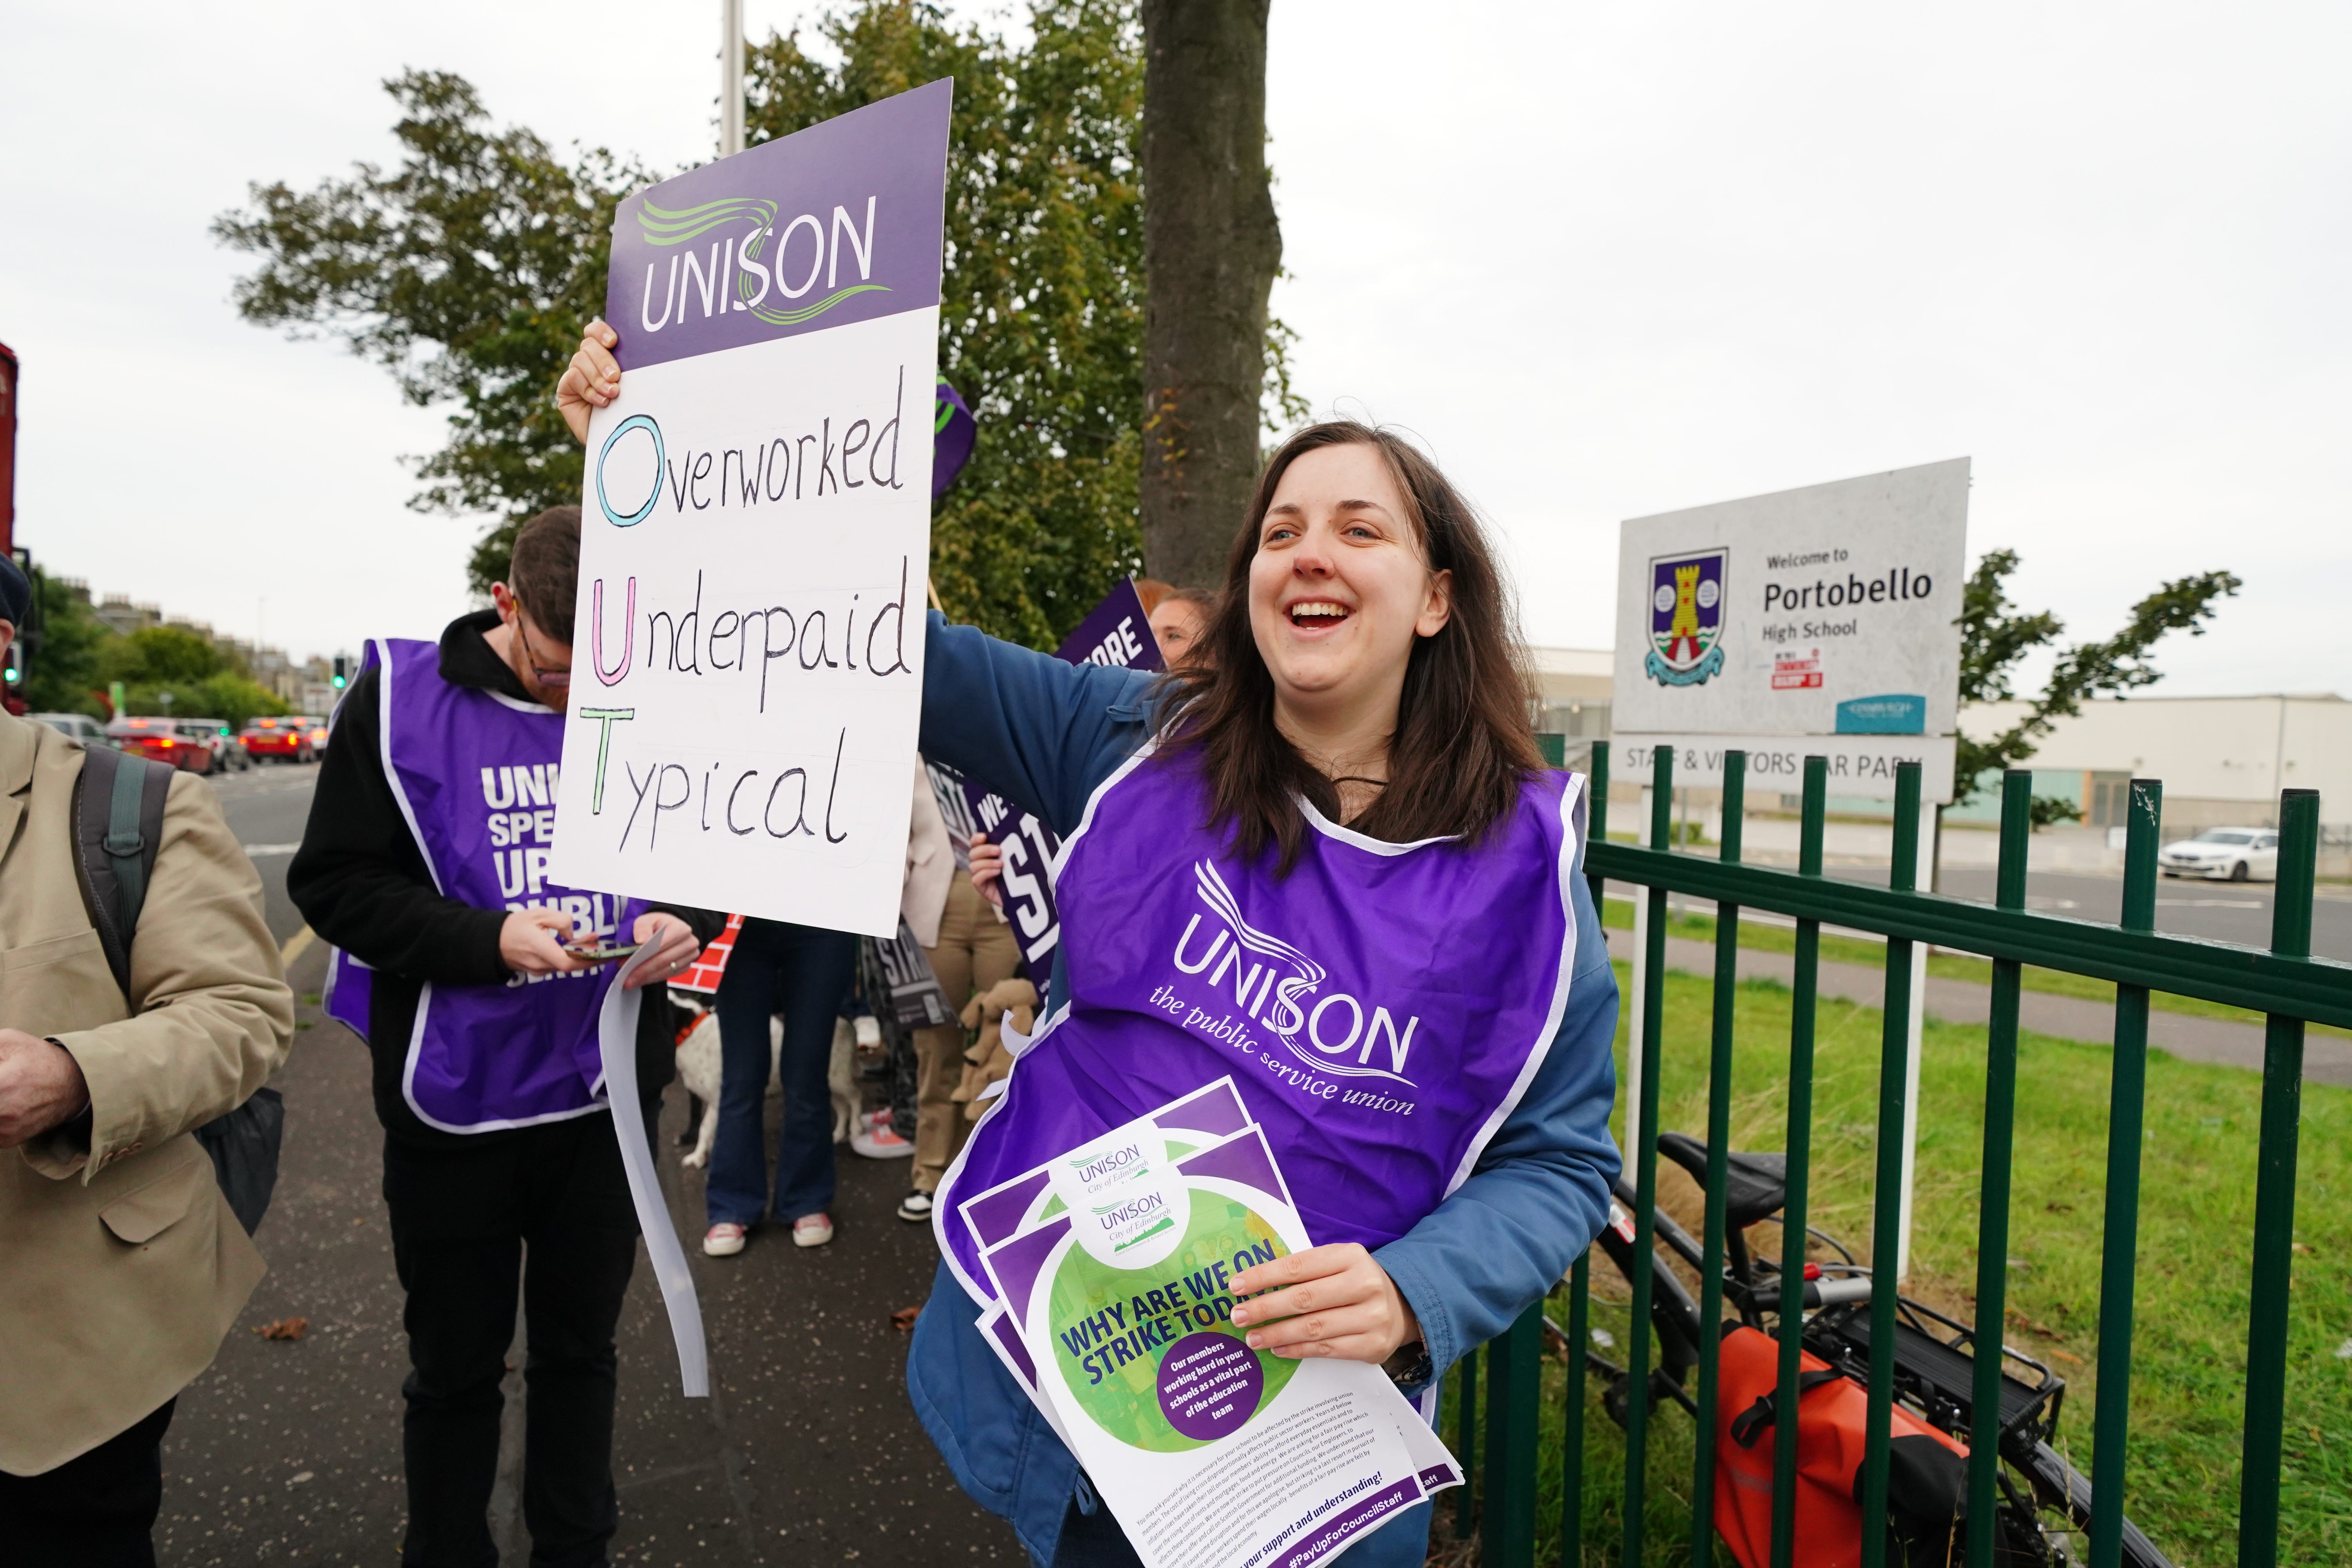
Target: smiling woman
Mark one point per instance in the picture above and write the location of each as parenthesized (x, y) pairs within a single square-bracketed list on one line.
[(1364, 655), (1394, 965)]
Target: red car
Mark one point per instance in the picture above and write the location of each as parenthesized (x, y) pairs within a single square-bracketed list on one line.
[(174, 742), (284, 739)]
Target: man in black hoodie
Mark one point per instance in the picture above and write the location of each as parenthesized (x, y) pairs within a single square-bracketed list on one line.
[(479, 1010)]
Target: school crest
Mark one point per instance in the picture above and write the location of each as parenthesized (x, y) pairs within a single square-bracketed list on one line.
[(1685, 617)]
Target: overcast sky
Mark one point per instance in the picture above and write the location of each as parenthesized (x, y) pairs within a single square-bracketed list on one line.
[(1604, 260)]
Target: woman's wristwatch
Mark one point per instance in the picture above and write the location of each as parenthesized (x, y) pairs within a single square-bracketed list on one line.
[(1410, 1367)]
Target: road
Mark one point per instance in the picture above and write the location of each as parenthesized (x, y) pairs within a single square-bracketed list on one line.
[(2222, 912), (265, 809), (289, 1450)]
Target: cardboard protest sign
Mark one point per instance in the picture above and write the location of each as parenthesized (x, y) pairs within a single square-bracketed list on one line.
[(756, 524), (1115, 632)]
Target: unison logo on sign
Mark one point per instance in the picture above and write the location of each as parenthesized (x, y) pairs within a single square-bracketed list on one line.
[(748, 258)]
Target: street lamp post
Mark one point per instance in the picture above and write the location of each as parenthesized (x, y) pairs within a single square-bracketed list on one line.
[(731, 78)]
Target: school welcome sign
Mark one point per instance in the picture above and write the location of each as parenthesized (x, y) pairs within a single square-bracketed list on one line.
[(756, 525)]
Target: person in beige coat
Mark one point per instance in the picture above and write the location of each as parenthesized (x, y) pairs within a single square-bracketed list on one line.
[(121, 1266)]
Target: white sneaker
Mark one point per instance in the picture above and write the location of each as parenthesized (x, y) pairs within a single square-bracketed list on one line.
[(723, 1240), (879, 1141), (915, 1207), (868, 1030), (811, 1230)]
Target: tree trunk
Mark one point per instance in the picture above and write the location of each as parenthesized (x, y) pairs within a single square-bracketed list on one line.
[(1211, 249)]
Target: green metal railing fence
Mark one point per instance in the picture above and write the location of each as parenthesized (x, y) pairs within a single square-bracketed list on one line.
[(2285, 983)]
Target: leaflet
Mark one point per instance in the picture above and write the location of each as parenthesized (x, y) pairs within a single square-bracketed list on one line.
[(1113, 1265)]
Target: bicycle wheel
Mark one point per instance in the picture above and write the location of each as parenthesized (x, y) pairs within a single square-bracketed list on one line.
[(2051, 1514)]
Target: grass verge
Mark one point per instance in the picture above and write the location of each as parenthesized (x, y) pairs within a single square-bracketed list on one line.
[(2196, 1218)]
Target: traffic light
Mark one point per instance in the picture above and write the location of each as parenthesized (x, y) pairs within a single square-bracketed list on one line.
[(343, 671)]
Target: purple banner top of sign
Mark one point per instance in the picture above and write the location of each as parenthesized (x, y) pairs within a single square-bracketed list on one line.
[(1115, 632), (839, 223)]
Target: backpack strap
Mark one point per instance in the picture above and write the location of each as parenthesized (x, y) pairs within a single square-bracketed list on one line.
[(118, 821)]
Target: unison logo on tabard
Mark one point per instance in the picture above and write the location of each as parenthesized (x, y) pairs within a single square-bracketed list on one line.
[(750, 257), (1685, 608), (1275, 984)]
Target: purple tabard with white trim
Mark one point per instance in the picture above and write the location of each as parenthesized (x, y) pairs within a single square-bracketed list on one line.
[(475, 773), (1381, 1008)]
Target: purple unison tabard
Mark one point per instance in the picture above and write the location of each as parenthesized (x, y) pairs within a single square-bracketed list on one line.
[(475, 776), (1380, 1009)]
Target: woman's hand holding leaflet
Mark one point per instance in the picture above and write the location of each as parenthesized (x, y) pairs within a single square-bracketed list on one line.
[(1334, 1300)]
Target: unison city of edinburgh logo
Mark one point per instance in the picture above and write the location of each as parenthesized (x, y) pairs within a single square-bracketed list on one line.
[(1687, 595)]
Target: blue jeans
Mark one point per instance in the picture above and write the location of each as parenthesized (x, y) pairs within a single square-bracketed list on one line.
[(802, 973)]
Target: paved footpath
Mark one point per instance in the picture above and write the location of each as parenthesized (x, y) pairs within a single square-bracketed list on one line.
[(288, 1451), (2327, 1059)]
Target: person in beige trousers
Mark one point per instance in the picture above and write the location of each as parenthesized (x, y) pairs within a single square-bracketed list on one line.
[(121, 1266), (970, 949)]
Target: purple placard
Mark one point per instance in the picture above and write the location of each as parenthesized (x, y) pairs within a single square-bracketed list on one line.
[(1115, 632), (839, 223), (954, 432)]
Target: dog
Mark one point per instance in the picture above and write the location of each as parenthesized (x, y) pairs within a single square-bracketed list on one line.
[(699, 1068)]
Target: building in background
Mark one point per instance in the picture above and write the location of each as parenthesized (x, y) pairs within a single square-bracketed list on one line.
[(1573, 707), (2223, 760)]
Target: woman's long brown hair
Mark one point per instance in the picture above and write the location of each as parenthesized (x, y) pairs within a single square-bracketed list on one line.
[(1462, 742)]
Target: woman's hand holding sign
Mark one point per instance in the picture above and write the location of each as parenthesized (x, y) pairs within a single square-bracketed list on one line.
[(592, 380), (1334, 1300)]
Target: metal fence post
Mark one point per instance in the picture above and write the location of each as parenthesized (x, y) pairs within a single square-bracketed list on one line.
[(2266, 1316), (1718, 1154), (1799, 1157), (1572, 1458), (2120, 1248), (1507, 1528), (1992, 1201), (1642, 1123), (1886, 1223)]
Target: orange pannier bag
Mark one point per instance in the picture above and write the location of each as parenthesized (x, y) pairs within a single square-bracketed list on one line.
[(1927, 1477)]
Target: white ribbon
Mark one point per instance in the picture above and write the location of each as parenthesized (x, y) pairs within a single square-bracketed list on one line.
[(616, 1042)]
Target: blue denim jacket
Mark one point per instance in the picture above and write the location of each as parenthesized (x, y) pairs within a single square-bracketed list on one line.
[(1044, 734)]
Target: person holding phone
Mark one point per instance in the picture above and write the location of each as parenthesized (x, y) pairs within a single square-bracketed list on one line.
[(476, 982), (1347, 775)]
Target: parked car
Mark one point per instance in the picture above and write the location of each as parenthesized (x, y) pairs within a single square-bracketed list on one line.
[(176, 742), (278, 740), (318, 734), (2239, 854), (227, 755), (75, 727)]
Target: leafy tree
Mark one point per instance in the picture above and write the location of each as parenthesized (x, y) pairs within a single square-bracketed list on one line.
[(162, 655), (1994, 635), (61, 667), (468, 272), (1042, 310)]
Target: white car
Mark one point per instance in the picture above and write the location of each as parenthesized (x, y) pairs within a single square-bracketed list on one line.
[(2239, 854)]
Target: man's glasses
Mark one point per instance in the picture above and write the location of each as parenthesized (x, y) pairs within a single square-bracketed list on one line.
[(545, 675)]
